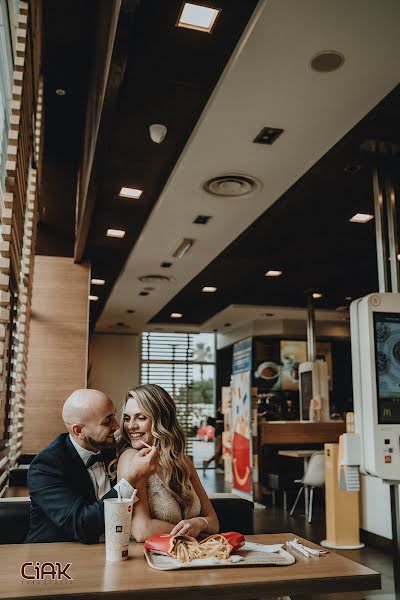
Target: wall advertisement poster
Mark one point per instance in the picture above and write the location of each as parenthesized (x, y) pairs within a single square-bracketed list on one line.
[(241, 419)]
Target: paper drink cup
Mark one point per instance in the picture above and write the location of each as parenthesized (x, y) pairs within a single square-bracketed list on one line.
[(117, 521)]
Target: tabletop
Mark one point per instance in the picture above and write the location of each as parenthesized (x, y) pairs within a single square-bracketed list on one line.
[(297, 453), (92, 577)]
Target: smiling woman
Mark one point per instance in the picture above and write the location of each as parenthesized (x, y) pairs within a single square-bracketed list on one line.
[(172, 499)]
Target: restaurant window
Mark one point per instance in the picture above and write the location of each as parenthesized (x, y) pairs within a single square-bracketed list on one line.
[(184, 364)]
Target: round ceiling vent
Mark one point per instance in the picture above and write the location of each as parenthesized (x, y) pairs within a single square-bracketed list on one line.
[(231, 185), (155, 279)]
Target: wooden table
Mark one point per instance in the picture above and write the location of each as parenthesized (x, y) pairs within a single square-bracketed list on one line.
[(94, 578), (305, 455)]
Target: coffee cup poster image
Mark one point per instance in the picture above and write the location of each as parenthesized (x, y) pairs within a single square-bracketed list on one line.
[(268, 375), (292, 353), (241, 434)]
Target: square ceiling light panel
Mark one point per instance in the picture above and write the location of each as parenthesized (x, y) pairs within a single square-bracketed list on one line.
[(361, 218), (127, 192), (116, 233), (195, 16)]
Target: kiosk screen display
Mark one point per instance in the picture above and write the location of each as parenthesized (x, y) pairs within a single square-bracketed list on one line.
[(306, 394), (387, 361)]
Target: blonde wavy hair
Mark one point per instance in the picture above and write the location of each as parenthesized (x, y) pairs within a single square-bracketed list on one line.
[(169, 439)]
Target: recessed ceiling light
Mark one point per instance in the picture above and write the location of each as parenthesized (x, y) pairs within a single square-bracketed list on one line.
[(94, 298), (60, 92), (117, 233), (155, 279), (201, 18), (348, 298), (130, 311), (267, 135), (272, 273), (176, 315), (227, 324), (316, 295), (361, 218), (183, 247), (327, 61), (166, 265), (97, 281), (209, 288), (202, 219), (127, 192)]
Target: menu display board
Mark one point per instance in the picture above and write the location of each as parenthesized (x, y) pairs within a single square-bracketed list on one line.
[(387, 361), (293, 353)]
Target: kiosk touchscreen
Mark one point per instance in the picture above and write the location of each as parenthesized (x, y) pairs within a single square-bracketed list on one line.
[(375, 341), (314, 391)]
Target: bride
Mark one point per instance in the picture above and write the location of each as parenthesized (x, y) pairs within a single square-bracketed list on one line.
[(172, 500)]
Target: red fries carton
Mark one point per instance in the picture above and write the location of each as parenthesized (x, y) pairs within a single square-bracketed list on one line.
[(164, 543)]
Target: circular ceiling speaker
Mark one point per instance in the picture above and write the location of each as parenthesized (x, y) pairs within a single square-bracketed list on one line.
[(327, 61), (155, 279), (231, 185)]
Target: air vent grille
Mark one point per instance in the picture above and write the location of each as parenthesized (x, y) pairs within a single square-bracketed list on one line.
[(155, 279), (231, 185)]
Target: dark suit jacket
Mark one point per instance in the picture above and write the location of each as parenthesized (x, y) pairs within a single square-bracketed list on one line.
[(64, 507)]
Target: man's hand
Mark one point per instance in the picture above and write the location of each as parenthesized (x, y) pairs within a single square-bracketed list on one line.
[(142, 464)]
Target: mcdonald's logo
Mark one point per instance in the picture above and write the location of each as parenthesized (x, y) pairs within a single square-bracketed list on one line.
[(387, 412)]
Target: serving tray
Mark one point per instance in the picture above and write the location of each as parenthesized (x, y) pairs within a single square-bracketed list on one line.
[(251, 558)]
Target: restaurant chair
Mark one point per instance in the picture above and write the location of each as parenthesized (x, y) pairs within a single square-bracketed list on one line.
[(18, 476), (14, 519), (314, 477), (234, 513)]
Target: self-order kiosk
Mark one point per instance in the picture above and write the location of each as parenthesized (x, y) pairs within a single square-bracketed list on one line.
[(375, 341)]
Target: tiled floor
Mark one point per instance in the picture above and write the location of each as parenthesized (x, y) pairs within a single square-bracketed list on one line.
[(272, 519)]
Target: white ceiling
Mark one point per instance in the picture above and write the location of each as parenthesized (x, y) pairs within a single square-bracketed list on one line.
[(268, 82)]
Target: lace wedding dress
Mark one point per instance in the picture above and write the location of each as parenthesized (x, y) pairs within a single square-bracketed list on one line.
[(162, 504)]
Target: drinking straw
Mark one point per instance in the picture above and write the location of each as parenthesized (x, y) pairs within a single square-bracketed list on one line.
[(133, 495), (119, 495)]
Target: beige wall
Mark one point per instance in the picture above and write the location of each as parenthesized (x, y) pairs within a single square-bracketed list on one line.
[(57, 358), (114, 362)]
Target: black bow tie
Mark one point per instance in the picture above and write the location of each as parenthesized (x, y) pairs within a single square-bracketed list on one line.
[(93, 459), (104, 456)]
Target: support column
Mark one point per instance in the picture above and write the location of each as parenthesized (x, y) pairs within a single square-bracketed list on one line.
[(310, 329)]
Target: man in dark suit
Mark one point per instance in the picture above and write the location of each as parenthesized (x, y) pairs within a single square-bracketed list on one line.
[(68, 480)]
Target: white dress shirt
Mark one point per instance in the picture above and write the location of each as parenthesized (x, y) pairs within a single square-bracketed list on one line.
[(99, 477)]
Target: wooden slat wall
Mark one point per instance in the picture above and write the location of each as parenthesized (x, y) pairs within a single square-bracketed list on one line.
[(57, 359), (18, 215)]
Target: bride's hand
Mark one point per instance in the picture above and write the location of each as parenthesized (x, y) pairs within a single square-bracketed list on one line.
[(192, 527)]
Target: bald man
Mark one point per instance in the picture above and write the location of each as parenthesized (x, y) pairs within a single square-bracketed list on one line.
[(69, 480)]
